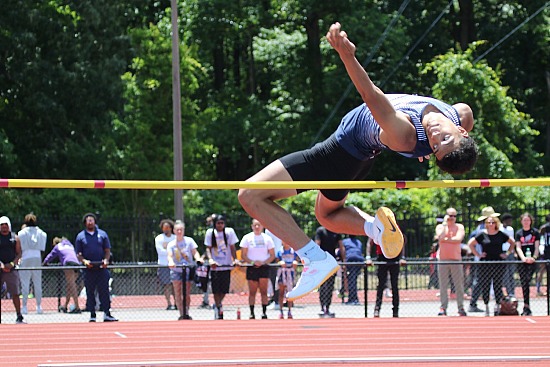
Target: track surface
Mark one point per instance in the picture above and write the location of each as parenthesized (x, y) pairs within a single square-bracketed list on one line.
[(449, 341)]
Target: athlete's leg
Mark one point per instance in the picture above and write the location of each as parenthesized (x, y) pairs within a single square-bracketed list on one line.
[(260, 204), (335, 217)]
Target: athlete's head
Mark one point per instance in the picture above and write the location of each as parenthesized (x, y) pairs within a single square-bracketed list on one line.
[(455, 151)]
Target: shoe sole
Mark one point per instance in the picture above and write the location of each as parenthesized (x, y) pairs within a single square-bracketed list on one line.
[(331, 273), (392, 238)]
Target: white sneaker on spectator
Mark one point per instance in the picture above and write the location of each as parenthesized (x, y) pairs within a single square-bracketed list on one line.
[(389, 236), (24, 310), (109, 318), (313, 275)]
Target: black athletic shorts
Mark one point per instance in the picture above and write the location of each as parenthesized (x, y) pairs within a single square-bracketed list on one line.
[(254, 273), (327, 161), (221, 280)]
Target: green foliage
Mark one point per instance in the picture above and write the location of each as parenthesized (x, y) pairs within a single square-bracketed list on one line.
[(504, 134)]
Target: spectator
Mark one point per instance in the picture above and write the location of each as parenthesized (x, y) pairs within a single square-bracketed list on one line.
[(354, 253), (63, 250), (341, 273), (203, 271), (288, 261), (10, 254), (432, 257), (33, 243), (390, 266), (273, 270), (258, 250), (220, 248), (491, 240), (476, 270), (182, 255), (450, 235), (93, 249), (329, 242), (509, 271), (527, 248), (545, 255), (163, 272)]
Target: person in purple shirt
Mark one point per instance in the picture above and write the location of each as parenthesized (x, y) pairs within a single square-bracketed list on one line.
[(63, 250), (93, 249)]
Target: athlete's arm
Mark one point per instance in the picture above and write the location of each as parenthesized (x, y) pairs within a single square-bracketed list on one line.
[(397, 132)]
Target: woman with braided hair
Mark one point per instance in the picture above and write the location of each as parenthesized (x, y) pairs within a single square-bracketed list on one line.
[(220, 249)]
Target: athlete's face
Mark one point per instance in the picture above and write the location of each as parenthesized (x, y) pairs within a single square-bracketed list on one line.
[(443, 135)]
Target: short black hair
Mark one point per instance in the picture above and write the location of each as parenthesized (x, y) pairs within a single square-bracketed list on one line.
[(460, 160), (506, 216)]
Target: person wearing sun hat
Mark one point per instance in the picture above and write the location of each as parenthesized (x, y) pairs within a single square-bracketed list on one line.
[(486, 212)]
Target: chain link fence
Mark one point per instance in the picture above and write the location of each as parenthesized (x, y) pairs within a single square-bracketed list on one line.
[(137, 294)]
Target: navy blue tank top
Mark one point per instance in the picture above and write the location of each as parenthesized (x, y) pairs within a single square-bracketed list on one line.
[(359, 133)]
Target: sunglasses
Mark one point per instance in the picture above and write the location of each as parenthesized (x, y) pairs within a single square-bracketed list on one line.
[(491, 222), (452, 216)]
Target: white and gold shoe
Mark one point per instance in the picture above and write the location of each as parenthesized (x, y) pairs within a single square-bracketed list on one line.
[(389, 236)]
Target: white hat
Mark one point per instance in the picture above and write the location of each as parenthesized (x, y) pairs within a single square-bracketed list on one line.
[(486, 212), (5, 220)]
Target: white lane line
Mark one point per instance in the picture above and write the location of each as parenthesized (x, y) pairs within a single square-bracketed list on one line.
[(312, 361), (531, 320), (120, 334)]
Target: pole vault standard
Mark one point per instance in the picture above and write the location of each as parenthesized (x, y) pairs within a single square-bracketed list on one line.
[(234, 185)]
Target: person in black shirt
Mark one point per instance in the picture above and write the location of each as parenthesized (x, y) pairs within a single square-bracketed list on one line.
[(491, 240), (329, 242), (527, 248), (544, 239), (10, 254)]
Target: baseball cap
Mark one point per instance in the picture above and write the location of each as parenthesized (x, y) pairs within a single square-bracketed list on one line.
[(5, 220)]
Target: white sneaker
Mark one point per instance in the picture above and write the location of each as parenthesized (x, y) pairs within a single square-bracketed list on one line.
[(39, 310), (389, 237), (313, 275), (109, 318), (24, 310)]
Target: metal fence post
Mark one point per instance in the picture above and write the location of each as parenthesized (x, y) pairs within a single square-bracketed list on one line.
[(365, 270)]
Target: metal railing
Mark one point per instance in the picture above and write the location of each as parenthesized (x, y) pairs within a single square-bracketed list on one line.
[(136, 294)]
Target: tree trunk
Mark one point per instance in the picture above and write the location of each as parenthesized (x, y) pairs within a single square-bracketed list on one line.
[(219, 65), (314, 62), (467, 25)]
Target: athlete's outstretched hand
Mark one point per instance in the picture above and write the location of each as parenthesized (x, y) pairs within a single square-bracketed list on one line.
[(338, 39)]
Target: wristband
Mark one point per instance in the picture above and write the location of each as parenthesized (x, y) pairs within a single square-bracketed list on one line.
[(368, 257)]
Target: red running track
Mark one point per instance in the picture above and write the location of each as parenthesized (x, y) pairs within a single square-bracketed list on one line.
[(448, 341)]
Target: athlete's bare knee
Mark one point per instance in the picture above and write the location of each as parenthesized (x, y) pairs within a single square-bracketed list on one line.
[(324, 218), (246, 197)]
